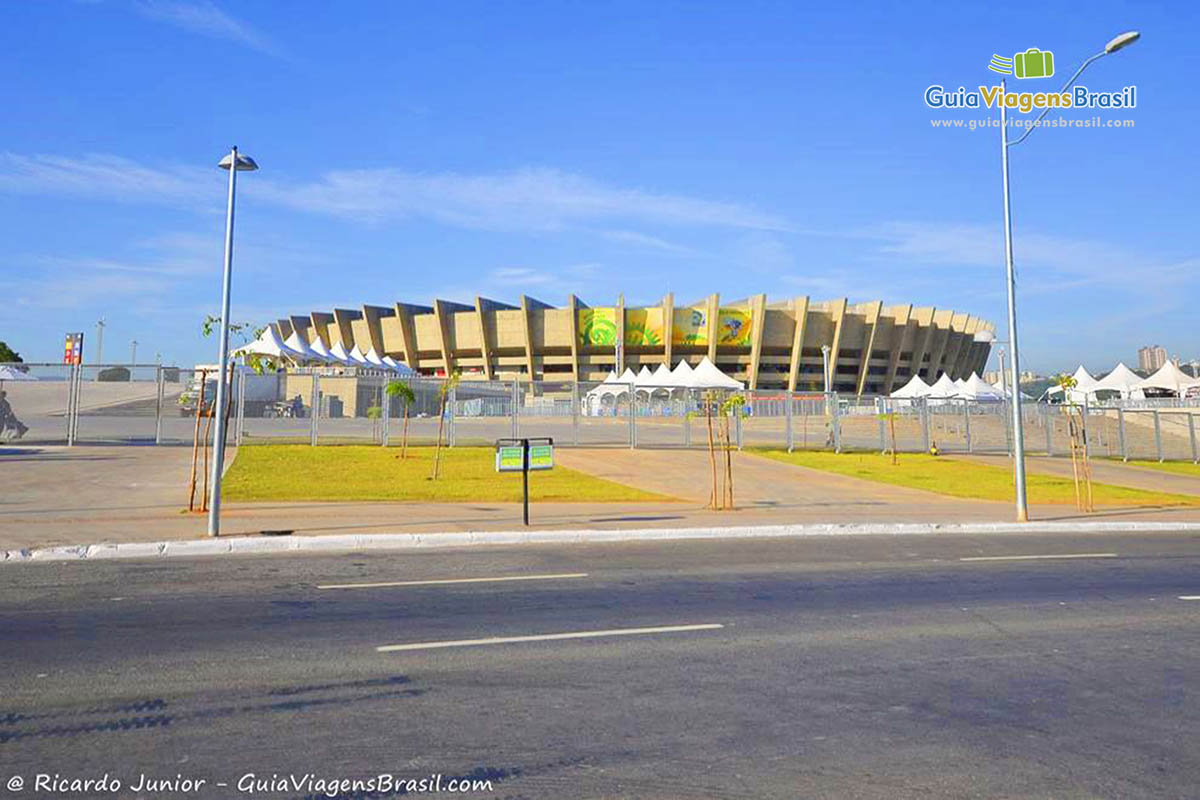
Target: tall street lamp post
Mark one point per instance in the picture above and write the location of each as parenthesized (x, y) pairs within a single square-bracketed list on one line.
[(1113, 46), (235, 163)]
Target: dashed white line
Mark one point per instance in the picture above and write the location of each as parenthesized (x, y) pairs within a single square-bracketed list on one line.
[(547, 637), (1189, 597), (1037, 557), (447, 581)]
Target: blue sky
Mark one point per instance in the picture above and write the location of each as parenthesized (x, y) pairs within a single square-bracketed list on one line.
[(418, 150)]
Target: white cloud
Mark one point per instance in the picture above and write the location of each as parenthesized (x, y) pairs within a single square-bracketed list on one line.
[(206, 19), (526, 199), (108, 177)]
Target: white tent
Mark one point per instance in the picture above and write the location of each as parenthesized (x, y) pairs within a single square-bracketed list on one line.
[(8, 373), (357, 358), (1168, 378), (294, 342), (1122, 379), (318, 347), (662, 377), (1084, 385), (682, 376), (372, 358), (269, 345), (396, 366), (338, 351), (942, 389), (976, 388), (707, 376), (914, 388)]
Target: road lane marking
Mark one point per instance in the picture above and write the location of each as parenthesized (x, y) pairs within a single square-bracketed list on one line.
[(445, 581), (1033, 558), (547, 637), (1189, 597)]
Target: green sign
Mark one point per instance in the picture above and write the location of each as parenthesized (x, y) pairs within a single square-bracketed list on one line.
[(541, 456), (509, 459)]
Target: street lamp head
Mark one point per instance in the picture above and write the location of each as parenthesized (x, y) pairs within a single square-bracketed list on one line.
[(1122, 40), (244, 163)]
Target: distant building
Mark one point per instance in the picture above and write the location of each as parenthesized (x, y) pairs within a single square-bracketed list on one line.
[(1151, 358)]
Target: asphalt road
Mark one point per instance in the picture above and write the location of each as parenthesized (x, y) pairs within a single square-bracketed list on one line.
[(856, 667)]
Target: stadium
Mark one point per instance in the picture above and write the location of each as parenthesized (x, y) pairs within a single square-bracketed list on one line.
[(872, 348)]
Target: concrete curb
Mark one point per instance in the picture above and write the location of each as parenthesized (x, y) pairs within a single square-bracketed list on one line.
[(409, 541)]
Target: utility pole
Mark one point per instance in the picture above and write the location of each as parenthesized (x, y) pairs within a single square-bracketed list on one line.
[(133, 353)]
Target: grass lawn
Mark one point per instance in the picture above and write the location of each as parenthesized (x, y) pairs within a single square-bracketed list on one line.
[(1178, 467), (301, 472), (965, 479)]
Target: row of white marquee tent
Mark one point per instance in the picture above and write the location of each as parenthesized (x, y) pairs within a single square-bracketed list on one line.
[(299, 352), (704, 375), (972, 388), (1125, 382)]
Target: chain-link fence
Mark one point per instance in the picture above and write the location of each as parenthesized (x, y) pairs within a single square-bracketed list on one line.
[(151, 404)]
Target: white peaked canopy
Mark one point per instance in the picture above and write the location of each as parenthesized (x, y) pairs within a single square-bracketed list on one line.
[(1122, 379), (294, 342), (627, 377), (976, 388), (943, 388), (682, 376), (269, 345), (662, 378), (356, 357), (707, 376), (1170, 378), (338, 352), (373, 359), (1083, 379), (914, 388), (396, 366), (8, 373), (644, 377), (318, 347)]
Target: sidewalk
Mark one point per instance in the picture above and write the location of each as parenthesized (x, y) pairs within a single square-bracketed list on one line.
[(90, 495)]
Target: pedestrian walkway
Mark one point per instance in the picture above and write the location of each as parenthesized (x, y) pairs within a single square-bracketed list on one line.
[(1103, 471), (89, 495)]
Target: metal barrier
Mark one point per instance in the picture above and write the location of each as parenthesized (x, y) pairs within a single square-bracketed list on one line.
[(152, 404)]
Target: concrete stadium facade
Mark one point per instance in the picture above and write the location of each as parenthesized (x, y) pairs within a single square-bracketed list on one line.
[(768, 345)]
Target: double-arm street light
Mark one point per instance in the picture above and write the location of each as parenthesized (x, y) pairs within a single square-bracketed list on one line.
[(1113, 46), (235, 163)]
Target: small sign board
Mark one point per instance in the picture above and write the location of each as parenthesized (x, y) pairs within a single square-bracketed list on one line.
[(524, 456), (73, 349), (511, 457)]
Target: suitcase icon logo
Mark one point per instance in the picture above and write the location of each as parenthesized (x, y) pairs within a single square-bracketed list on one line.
[(1033, 63)]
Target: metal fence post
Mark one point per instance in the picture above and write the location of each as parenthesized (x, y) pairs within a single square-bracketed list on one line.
[(632, 416), (1087, 439), (239, 430), (926, 433), (1192, 436), (1158, 436), (1049, 431), (158, 404), (1121, 432), (738, 427), (880, 413), (452, 437), (386, 409), (687, 419), (836, 421), (575, 413), (315, 402), (967, 423), (791, 437), (516, 402)]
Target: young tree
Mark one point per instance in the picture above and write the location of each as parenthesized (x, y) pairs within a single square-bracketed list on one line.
[(1081, 470), (400, 390), (444, 391), (734, 406)]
